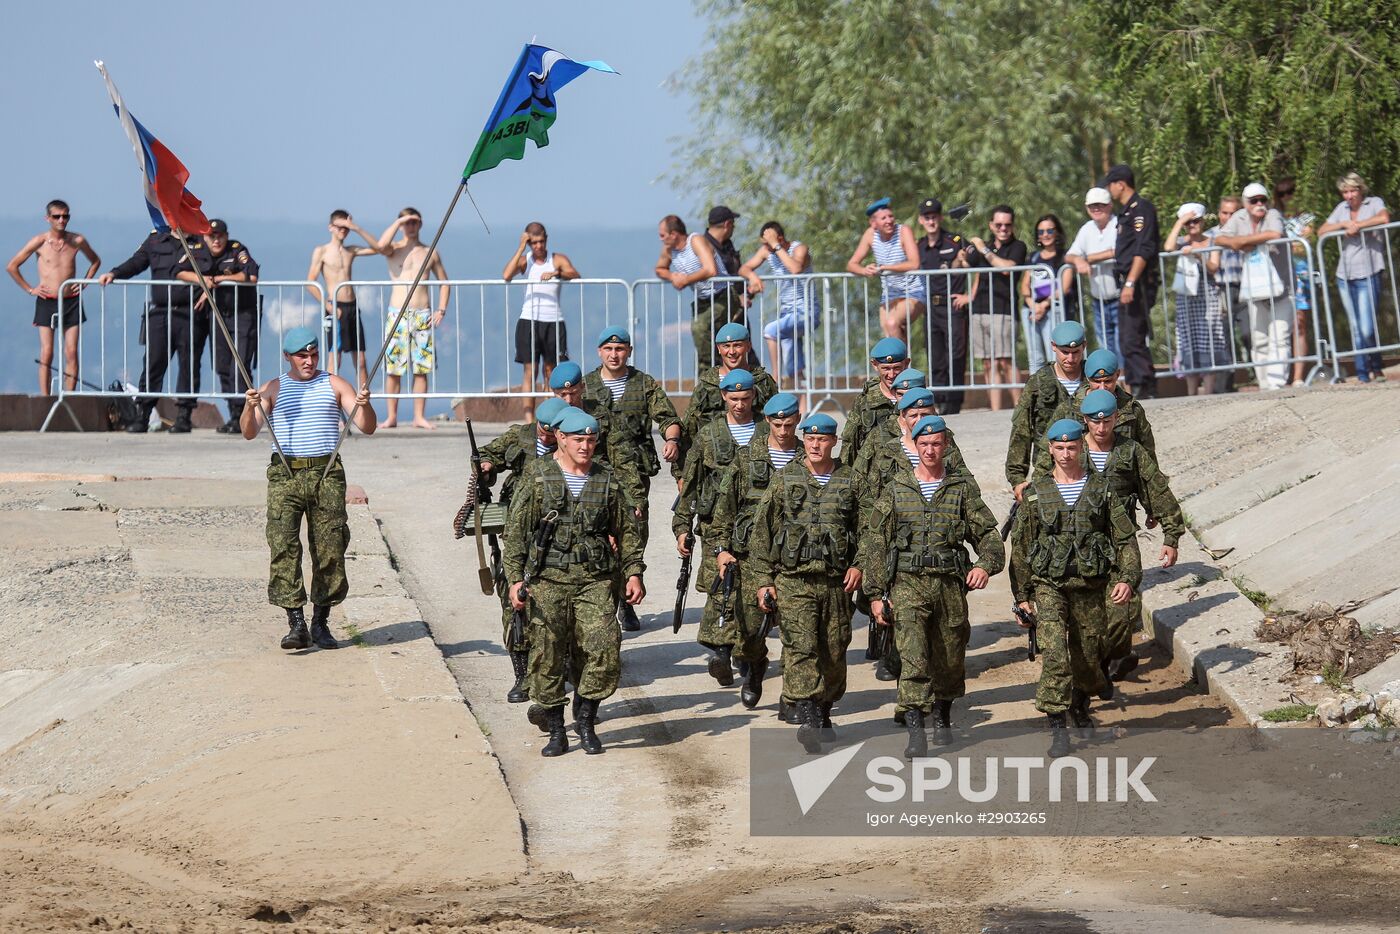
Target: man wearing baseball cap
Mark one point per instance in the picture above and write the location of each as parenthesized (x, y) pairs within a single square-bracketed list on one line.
[(1266, 300), (1091, 253), (1135, 266), (306, 405), (948, 298)]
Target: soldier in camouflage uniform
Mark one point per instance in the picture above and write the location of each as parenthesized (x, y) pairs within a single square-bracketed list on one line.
[(1047, 393), (876, 403), (917, 561), (1072, 544), (514, 452), (1133, 476), (571, 600), (634, 402), (307, 426), (1101, 372), (803, 553), (707, 463), (733, 347), (566, 382), (744, 485)]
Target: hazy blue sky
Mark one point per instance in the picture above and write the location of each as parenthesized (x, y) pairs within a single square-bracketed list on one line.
[(285, 110)]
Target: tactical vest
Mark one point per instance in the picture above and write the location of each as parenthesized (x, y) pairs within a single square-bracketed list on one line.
[(1121, 473), (1049, 402), (725, 450), (520, 455), (928, 535), (817, 530), (582, 535), (1074, 541), (757, 474), (631, 419)]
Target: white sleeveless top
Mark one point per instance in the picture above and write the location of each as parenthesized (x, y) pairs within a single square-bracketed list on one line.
[(541, 298), (306, 417)]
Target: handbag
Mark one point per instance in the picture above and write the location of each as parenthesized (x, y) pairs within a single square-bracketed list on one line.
[(1259, 280), (1187, 280)]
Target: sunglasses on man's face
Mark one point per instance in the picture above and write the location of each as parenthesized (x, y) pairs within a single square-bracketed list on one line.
[(1259, 199), (58, 217), (1001, 226)]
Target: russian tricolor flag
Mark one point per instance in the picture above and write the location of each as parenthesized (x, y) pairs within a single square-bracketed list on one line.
[(170, 203)]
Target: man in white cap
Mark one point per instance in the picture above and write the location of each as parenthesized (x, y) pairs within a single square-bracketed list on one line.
[(1091, 253), (1267, 301)]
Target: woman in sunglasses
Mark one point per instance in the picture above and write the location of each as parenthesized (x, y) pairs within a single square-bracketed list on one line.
[(1045, 296), (1201, 339)]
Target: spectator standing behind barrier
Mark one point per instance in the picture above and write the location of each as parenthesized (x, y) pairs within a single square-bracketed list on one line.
[(689, 260), (1360, 267), (1092, 255), (168, 327), (57, 256), (1263, 284), (1297, 225), (993, 337), (223, 263), (948, 300), (1135, 266), (1201, 338), (1046, 299), (901, 295), (541, 335), (798, 307), (335, 263), (412, 342), (719, 233), (1228, 278)]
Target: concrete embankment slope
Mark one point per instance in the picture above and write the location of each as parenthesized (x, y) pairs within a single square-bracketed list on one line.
[(156, 747)]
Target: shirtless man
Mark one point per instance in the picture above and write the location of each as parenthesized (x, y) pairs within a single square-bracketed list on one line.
[(335, 261), (412, 343), (57, 250)]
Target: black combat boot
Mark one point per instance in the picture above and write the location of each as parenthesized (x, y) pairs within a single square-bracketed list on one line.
[(809, 725), (539, 716), (828, 733), (883, 672), (742, 667), (142, 422), (752, 691), (1121, 668), (518, 694), (320, 632), (918, 741), (230, 427), (721, 668), (1106, 692), (182, 424), (558, 737), (629, 620), (789, 713), (899, 718), (587, 717), (1079, 710), (942, 723), (297, 636), (1059, 735)]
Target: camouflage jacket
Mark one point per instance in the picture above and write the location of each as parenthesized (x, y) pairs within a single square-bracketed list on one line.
[(744, 485), (802, 527), (1132, 423), (871, 409), (1072, 546), (512, 452), (595, 536), (643, 403), (707, 403), (706, 465), (1042, 402)]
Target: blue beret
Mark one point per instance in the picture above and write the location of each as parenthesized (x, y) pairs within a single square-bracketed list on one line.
[(731, 332), (919, 396), (909, 379), (1099, 403), (874, 206), (1068, 334), (614, 334), (1066, 429), (548, 410), (819, 424), (1100, 364), (577, 422), (889, 350), (558, 414), (929, 425), (565, 375), (781, 406), (736, 381), (298, 339)]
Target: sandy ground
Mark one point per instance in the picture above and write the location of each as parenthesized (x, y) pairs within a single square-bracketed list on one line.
[(654, 834)]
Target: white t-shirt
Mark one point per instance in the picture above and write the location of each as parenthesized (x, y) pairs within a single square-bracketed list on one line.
[(1241, 224), (1364, 254), (541, 298), (1091, 240)]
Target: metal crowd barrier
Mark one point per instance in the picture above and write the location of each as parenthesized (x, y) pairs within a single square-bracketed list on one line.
[(1361, 298)]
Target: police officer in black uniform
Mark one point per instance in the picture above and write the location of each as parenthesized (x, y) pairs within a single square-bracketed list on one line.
[(1135, 265), (947, 307), (168, 326), (233, 274)]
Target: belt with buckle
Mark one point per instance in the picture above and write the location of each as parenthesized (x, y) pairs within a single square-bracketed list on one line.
[(302, 463)]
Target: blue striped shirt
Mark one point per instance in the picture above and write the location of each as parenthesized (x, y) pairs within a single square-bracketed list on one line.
[(889, 253), (780, 458), (1071, 385), (1099, 459), (575, 482), (306, 417), (912, 455), (617, 386), (686, 261), (822, 478), (1069, 492), (929, 487), (794, 295), (742, 434), (540, 448)]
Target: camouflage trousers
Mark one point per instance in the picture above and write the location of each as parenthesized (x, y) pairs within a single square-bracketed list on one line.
[(1122, 622), (573, 620), (1071, 635), (743, 625), (814, 620), (322, 503), (931, 630)]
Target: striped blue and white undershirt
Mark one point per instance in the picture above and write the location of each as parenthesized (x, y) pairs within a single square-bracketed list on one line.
[(575, 482), (912, 455), (306, 416), (822, 478), (929, 487), (780, 458), (1069, 492), (742, 434), (1071, 385), (541, 449), (1099, 459), (617, 386)]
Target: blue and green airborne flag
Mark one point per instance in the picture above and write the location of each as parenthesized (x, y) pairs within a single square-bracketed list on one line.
[(525, 109)]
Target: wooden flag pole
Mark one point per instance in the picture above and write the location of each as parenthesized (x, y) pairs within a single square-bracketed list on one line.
[(384, 349), (228, 339)]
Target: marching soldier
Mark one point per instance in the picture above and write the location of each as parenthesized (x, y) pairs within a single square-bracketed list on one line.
[(1072, 545), (706, 465), (1101, 372), (634, 402), (571, 597), (875, 405), (744, 484), (803, 551), (918, 571), (733, 348), (520, 447), (306, 405), (566, 382), (1045, 399)]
